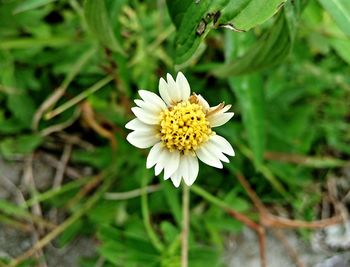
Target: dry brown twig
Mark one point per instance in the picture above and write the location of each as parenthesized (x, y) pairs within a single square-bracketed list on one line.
[(88, 117), (270, 221), (28, 180), (293, 254), (51, 160)]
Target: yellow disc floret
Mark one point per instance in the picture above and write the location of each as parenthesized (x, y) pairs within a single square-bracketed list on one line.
[(184, 127)]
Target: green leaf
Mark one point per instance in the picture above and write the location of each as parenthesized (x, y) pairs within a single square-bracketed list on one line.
[(250, 94), (22, 145), (70, 233), (31, 4), (173, 200), (340, 11), (177, 9), (271, 49), (13, 210), (22, 107), (246, 14), (97, 18), (342, 47), (125, 249), (195, 23)]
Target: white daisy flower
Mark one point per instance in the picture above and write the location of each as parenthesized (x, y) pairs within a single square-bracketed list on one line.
[(179, 128)]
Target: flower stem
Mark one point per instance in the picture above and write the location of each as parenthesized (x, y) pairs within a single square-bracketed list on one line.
[(185, 225)]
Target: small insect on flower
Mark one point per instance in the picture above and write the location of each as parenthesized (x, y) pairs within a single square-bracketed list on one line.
[(179, 128)]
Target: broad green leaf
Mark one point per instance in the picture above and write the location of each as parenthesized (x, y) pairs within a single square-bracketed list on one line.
[(177, 9), (21, 106), (31, 4), (97, 18), (340, 11), (22, 145), (250, 94), (246, 14), (272, 48), (189, 33), (125, 249), (200, 16), (342, 47)]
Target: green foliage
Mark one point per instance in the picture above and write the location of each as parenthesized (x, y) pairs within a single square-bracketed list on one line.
[(97, 18), (340, 11), (68, 67), (250, 95)]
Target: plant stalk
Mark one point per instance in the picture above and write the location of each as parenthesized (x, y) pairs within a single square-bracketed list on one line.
[(185, 225)]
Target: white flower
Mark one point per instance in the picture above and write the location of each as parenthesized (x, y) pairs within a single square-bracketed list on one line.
[(178, 127)]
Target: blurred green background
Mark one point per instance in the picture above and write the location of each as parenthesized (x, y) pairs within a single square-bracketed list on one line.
[(69, 71)]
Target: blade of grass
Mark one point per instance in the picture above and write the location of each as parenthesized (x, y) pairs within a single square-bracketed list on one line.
[(52, 99), (56, 192), (146, 216), (75, 100), (62, 227)]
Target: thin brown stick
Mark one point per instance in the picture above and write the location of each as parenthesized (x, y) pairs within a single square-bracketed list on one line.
[(293, 254), (59, 229), (260, 231), (28, 178), (89, 118), (262, 246), (55, 163), (251, 193), (67, 150), (84, 191), (268, 220), (316, 162), (272, 221)]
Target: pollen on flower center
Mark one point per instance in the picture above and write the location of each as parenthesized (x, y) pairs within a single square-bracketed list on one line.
[(184, 127)]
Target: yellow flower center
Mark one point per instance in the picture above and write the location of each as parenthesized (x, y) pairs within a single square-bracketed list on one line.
[(184, 127)]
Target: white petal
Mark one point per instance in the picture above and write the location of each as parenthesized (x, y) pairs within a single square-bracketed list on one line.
[(147, 106), (146, 116), (163, 91), (142, 139), (215, 150), (158, 168), (224, 145), (219, 119), (203, 102), (192, 168), (223, 110), (150, 97), (173, 90), (176, 178), (164, 157), (183, 85), (205, 156), (153, 155), (226, 108), (138, 125), (172, 164)]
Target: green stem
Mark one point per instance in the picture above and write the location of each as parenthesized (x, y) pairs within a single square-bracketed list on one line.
[(185, 225), (209, 197), (56, 191), (79, 97), (146, 217)]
